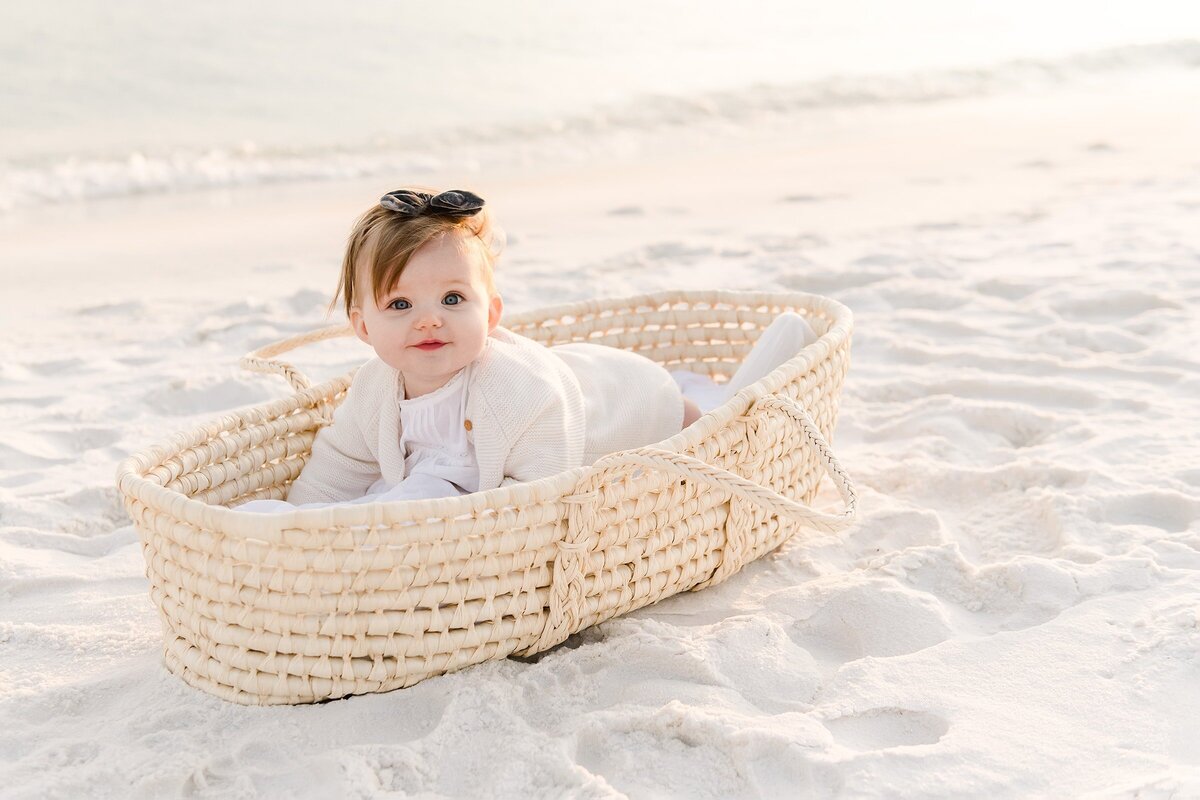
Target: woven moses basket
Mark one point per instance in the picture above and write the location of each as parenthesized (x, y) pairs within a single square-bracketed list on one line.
[(322, 603)]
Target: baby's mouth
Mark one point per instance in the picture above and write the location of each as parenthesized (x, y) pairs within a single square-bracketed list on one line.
[(429, 344)]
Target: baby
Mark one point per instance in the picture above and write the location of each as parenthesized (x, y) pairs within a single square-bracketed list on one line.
[(453, 402)]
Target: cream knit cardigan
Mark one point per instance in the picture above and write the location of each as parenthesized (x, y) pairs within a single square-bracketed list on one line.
[(532, 412)]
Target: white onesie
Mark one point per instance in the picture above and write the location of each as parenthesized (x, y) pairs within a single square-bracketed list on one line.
[(438, 458)]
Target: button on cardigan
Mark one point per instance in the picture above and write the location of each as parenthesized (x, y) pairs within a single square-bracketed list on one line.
[(531, 412)]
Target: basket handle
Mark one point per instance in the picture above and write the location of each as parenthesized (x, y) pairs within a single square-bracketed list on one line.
[(260, 360), (567, 587), (765, 498)]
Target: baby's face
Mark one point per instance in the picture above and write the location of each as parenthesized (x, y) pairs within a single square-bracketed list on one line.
[(435, 320)]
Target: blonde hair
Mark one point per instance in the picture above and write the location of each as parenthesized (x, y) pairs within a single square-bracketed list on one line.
[(382, 242)]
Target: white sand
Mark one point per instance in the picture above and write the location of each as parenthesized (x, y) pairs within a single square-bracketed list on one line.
[(1016, 613)]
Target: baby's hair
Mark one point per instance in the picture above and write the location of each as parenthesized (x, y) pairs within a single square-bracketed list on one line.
[(383, 241)]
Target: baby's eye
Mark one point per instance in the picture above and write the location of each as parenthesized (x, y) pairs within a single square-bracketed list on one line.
[(400, 304), (453, 299)]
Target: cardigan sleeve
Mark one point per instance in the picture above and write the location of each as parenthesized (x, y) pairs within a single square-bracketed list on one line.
[(528, 410), (554, 439), (342, 465)]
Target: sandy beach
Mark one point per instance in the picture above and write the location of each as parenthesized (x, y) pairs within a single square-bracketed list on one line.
[(1016, 613)]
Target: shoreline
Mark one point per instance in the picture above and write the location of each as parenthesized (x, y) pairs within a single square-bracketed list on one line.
[(867, 171)]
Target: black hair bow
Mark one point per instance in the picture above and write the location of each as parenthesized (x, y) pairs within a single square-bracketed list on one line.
[(454, 203)]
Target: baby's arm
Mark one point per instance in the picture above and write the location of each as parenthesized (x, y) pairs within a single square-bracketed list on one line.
[(342, 466), (553, 441)]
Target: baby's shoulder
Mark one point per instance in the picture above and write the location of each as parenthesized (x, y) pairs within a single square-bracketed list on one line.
[(372, 387), (511, 360), (514, 352), (373, 372)]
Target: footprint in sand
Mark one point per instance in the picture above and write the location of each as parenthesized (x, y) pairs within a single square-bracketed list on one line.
[(1012, 595), (18, 480), (1190, 476), (994, 387), (194, 395), (100, 501), (47, 446), (718, 753), (927, 297), (32, 449), (77, 441), (1096, 339), (60, 366), (1114, 305), (34, 402), (1006, 289), (1170, 511), (855, 619), (987, 424), (884, 728)]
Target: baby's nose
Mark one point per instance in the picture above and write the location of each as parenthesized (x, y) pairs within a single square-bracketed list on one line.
[(430, 321)]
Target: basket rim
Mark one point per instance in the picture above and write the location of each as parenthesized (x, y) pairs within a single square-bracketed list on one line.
[(131, 480)]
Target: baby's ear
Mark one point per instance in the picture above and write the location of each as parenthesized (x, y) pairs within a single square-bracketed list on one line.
[(495, 309), (359, 324)]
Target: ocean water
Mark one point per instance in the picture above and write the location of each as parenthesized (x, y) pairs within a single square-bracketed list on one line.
[(103, 100)]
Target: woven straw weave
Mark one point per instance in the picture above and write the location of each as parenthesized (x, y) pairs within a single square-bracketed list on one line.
[(322, 603)]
